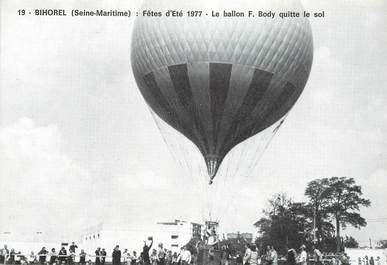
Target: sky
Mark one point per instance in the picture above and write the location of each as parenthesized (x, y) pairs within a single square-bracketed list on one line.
[(79, 146)]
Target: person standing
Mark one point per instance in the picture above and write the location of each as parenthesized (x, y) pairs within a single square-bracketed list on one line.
[(168, 258), (12, 254), (6, 254), (346, 261), (253, 260), (53, 256), (129, 258), (377, 260), (125, 255), (303, 257), (145, 252), (247, 256), (32, 258), (18, 258), (140, 259), (42, 255), (98, 256), (134, 258), (73, 247), (291, 257), (161, 255), (3, 254), (103, 256), (268, 257), (72, 250), (239, 258), (185, 256), (225, 255), (116, 255), (82, 257), (274, 256), (62, 256), (175, 259), (372, 262), (153, 257)]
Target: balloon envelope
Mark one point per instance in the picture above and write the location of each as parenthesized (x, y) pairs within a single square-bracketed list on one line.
[(219, 81)]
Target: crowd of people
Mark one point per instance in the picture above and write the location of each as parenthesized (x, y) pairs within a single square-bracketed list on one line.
[(269, 256), (148, 256), (11, 256), (162, 256), (253, 257), (369, 261)]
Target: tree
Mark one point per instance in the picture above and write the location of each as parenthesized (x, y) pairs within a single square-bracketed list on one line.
[(343, 201), (336, 199), (317, 213), (282, 225), (382, 244), (350, 242)]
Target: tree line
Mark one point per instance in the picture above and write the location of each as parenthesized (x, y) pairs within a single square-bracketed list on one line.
[(331, 205)]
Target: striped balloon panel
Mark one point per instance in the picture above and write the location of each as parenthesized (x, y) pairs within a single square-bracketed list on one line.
[(217, 105)]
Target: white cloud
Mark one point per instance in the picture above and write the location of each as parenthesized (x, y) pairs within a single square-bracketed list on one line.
[(325, 76), (38, 175)]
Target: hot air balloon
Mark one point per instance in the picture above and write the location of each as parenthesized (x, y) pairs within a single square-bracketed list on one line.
[(218, 80)]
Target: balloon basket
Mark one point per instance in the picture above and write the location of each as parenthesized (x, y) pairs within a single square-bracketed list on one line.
[(208, 256)]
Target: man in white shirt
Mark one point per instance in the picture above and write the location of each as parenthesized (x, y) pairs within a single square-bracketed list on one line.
[(274, 256), (247, 255), (161, 255), (303, 257), (4, 255), (185, 256)]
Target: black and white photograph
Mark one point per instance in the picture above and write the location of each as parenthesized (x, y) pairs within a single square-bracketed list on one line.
[(193, 132)]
